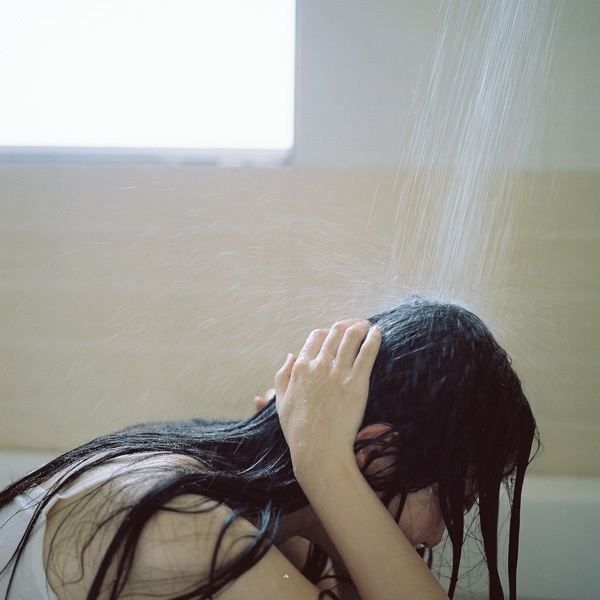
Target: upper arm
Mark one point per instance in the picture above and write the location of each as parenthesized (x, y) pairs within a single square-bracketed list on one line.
[(176, 550)]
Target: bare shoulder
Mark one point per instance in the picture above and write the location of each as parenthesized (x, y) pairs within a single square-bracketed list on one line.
[(85, 516), (175, 550)]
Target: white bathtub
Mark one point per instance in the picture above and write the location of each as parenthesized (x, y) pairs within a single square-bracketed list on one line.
[(560, 535)]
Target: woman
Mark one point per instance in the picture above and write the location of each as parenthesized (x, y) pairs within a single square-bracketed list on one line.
[(383, 434)]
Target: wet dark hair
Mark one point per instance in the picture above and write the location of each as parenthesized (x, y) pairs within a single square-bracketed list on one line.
[(459, 421), (456, 414)]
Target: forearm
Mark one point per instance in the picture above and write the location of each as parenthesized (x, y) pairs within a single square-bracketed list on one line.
[(378, 556)]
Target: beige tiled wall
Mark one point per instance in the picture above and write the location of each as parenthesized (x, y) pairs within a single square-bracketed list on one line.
[(130, 294)]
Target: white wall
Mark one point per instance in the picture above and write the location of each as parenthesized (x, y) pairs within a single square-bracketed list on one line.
[(358, 70)]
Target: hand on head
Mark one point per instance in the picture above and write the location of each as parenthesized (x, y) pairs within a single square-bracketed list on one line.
[(321, 394)]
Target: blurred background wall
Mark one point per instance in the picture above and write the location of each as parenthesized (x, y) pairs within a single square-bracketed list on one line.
[(142, 292)]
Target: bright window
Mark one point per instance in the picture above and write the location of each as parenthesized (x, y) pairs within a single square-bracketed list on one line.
[(208, 76)]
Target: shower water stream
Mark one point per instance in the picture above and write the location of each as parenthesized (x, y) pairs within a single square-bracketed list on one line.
[(480, 106)]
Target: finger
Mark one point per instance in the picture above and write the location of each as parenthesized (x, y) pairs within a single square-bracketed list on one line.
[(313, 344), (351, 344), (259, 402), (282, 378), (334, 338), (363, 365)]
